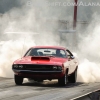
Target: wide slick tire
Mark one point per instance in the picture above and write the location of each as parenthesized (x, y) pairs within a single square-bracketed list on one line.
[(73, 77), (63, 81), (18, 80)]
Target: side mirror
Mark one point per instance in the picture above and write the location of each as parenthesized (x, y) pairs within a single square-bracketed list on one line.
[(72, 57)]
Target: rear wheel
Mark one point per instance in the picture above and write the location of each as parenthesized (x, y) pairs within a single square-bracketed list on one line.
[(18, 80), (63, 81), (73, 77)]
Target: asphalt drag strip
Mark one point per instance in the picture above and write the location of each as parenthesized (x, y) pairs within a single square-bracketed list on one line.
[(48, 90)]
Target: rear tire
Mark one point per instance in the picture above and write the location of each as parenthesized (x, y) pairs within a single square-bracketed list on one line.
[(63, 81), (73, 77), (18, 80)]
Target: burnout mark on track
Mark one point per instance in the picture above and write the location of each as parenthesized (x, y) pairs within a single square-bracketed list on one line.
[(51, 84), (2, 78)]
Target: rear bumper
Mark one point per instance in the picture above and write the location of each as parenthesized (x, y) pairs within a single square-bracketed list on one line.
[(39, 74)]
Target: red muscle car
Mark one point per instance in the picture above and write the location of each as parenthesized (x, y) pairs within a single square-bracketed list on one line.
[(46, 62)]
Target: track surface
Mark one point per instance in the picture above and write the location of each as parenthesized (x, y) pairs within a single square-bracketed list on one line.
[(43, 91)]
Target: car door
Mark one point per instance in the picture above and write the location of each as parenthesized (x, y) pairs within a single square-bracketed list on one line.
[(72, 62)]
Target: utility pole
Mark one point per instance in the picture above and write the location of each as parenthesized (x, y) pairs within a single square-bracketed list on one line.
[(75, 25), (75, 14)]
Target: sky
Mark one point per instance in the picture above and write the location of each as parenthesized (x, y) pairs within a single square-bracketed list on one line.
[(56, 11)]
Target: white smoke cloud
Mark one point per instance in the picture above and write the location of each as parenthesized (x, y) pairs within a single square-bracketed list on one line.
[(89, 53), (88, 71), (10, 51)]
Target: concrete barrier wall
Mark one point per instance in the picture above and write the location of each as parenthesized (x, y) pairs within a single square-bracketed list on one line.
[(89, 96)]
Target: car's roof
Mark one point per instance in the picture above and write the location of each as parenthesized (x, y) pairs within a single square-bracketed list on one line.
[(53, 47)]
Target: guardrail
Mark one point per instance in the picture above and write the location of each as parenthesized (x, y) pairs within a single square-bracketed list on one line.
[(94, 95)]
